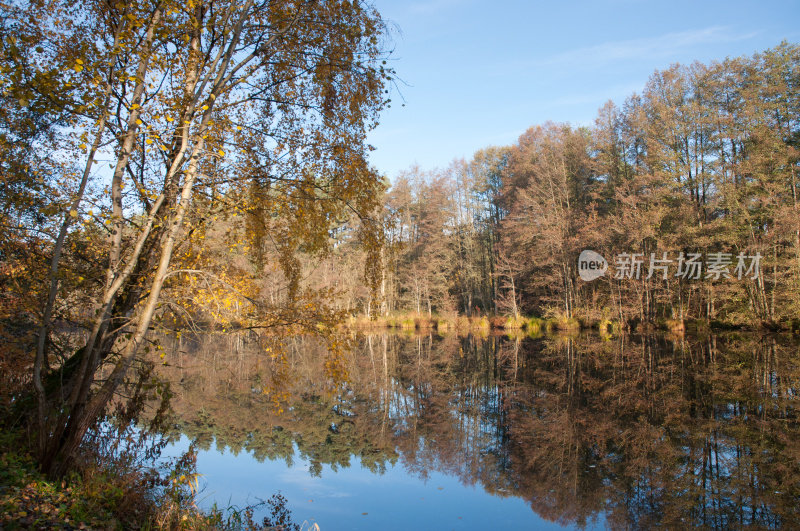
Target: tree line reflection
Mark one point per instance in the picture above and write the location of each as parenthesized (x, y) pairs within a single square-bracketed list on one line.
[(645, 430)]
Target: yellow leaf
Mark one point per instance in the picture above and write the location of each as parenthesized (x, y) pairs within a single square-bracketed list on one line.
[(138, 122), (169, 118), (73, 213), (149, 140), (82, 146), (78, 68), (221, 153)]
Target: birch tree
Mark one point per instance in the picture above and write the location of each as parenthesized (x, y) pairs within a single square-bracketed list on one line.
[(203, 109)]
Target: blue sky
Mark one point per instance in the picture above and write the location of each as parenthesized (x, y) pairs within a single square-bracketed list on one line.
[(478, 73)]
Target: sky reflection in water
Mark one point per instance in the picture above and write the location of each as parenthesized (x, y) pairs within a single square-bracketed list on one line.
[(338, 499)]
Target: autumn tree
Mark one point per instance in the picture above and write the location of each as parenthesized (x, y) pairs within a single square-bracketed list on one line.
[(427, 258), (549, 179), (205, 109), (478, 185)]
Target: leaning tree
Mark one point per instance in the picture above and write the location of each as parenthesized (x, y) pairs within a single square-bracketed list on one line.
[(130, 127)]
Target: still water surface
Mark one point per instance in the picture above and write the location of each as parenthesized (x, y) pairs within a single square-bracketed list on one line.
[(430, 432)]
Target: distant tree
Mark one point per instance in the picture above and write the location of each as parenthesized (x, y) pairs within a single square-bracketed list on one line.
[(550, 180)]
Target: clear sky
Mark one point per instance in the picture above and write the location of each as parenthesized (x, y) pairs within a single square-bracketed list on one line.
[(477, 73)]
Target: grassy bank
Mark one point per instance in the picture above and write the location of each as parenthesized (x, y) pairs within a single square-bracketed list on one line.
[(533, 326), (481, 325)]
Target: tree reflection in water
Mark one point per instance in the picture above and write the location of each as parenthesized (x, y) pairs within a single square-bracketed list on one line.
[(646, 430)]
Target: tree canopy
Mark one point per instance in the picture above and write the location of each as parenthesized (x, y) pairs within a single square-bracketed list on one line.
[(128, 130)]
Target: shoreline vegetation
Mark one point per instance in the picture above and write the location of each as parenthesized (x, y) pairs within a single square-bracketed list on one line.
[(536, 326), (120, 491), (533, 326)]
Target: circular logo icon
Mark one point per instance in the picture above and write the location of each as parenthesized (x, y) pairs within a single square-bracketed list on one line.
[(591, 265)]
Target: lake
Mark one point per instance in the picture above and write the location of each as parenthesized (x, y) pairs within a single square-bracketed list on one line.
[(406, 431)]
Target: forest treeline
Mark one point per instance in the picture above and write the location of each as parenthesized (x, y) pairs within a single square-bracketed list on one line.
[(689, 190)]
